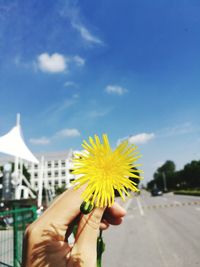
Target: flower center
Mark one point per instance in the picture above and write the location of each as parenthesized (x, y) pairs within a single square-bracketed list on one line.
[(105, 167)]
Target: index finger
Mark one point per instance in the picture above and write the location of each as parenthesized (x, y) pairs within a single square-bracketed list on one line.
[(113, 215)]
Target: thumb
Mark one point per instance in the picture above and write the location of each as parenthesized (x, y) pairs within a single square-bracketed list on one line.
[(85, 246)]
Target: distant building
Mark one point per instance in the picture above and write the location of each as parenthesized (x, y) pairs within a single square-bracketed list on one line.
[(57, 169), (56, 172)]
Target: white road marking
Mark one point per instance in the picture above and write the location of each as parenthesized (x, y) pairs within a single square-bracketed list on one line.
[(128, 204), (140, 206)]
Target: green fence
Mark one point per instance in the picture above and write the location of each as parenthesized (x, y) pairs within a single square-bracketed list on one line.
[(12, 226)]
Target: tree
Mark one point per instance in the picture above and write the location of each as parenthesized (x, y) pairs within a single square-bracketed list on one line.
[(60, 189), (188, 177), (168, 167), (151, 184), (164, 176), (191, 174)]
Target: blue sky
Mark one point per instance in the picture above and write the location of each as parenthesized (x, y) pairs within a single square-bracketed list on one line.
[(130, 69)]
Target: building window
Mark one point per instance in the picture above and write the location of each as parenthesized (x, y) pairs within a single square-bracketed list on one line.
[(63, 163), (63, 173), (56, 174), (56, 164), (49, 174), (71, 180), (36, 166), (49, 164), (35, 174)]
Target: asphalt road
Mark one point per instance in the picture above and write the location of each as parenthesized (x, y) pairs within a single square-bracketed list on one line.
[(162, 231)]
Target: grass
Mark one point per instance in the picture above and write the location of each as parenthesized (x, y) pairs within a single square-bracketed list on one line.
[(190, 192)]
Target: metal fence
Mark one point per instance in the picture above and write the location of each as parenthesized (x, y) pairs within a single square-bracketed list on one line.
[(12, 226)]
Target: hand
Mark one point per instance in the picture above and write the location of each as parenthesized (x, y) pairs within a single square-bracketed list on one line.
[(45, 241)]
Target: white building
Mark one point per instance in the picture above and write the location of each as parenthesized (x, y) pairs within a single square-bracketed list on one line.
[(57, 167)]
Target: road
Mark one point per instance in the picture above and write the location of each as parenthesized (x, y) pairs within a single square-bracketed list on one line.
[(161, 231)]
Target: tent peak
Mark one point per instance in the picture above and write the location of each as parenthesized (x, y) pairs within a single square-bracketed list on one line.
[(13, 144), (18, 119)]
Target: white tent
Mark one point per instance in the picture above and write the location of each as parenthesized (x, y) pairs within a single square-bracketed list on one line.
[(13, 144)]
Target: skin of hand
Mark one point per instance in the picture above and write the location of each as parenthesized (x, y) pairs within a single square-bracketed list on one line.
[(45, 241)]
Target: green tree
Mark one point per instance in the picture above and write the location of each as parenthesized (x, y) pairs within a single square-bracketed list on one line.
[(168, 167), (164, 177), (187, 178), (191, 174), (60, 189)]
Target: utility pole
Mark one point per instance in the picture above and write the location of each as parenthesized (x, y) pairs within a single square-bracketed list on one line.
[(164, 182)]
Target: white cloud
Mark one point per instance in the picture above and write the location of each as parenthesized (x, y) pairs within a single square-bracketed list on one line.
[(59, 107), (40, 141), (70, 84), (115, 89), (178, 129), (141, 138), (52, 63), (95, 113), (72, 11), (79, 61), (85, 34), (56, 62), (75, 96), (68, 133), (64, 133)]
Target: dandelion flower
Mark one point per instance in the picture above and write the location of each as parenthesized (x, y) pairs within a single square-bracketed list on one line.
[(104, 170)]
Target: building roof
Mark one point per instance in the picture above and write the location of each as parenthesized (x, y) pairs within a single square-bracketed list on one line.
[(57, 155)]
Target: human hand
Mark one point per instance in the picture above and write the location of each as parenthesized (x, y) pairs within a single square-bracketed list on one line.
[(45, 241)]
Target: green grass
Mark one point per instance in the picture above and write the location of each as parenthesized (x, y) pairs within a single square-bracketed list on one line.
[(190, 192)]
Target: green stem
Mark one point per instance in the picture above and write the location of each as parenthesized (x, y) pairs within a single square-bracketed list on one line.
[(100, 249), (98, 262)]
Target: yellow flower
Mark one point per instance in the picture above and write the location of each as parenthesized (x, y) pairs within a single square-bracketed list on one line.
[(104, 170)]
